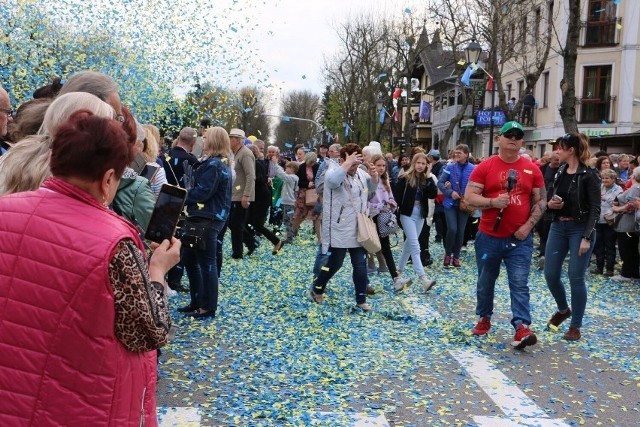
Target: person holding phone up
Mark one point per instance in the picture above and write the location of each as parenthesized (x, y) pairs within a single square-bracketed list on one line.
[(81, 309), (208, 203), (574, 203)]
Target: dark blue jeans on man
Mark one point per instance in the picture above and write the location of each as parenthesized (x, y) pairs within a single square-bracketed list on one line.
[(336, 258), (516, 254), (202, 269), (565, 237)]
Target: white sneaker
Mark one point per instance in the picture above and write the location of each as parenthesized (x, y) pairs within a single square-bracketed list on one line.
[(621, 278), (427, 284), (400, 283)]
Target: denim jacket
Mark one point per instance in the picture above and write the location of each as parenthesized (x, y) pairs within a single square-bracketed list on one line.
[(210, 196)]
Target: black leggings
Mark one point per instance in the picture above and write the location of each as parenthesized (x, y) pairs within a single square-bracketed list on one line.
[(386, 251)]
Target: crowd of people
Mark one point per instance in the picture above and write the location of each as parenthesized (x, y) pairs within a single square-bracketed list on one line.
[(79, 179)]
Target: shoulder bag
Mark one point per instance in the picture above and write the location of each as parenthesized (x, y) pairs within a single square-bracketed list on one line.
[(366, 234)]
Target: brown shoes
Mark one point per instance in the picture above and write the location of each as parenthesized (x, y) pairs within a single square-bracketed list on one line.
[(558, 318), (573, 334)]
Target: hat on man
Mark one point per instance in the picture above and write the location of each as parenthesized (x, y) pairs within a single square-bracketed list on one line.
[(238, 133), (512, 125), (434, 154)]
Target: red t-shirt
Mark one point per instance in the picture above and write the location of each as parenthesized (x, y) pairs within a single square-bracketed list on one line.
[(492, 174)]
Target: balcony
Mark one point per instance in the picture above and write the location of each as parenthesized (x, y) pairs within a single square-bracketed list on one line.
[(601, 33), (596, 110)]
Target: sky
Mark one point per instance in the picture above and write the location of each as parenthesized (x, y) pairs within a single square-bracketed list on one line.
[(296, 35)]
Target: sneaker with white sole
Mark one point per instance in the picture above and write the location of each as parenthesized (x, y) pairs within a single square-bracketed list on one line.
[(400, 283), (524, 337), (427, 284)]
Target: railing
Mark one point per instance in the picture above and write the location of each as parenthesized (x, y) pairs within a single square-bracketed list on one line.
[(605, 32), (596, 110)]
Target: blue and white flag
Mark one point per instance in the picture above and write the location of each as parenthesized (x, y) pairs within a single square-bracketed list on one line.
[(466, 77)]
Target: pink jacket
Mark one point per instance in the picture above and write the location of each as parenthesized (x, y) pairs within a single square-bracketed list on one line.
[(60, 362)]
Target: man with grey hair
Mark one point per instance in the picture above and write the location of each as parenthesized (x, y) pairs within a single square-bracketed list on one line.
[(5, 118), (95, 83), (242, 195)]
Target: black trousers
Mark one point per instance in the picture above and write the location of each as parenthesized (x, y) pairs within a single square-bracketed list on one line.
[(239, 234), (257, 218), (628, 248), (386, 251), (605, 248)]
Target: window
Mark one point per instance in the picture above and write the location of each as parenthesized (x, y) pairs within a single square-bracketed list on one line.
[(523, 32), (452, 98), (520, 89), (596, 94), (545, 89), (536, 27), (509, 89), (601, 25)]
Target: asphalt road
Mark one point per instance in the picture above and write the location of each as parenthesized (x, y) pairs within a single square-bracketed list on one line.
[(273, 358)]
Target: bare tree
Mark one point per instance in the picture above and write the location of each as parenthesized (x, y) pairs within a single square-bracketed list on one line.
[(354, 71), (570, 54), (304, 105)]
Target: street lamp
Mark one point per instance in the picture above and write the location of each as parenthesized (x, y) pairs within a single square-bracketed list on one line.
[(473, 51)]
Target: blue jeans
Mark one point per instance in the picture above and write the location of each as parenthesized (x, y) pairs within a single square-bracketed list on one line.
[(456, 224), (565, 236), (358, 262), (412, 226), (202, 270), (516, 254)]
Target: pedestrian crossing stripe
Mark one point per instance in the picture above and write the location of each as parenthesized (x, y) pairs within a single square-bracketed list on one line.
[(190, 417)]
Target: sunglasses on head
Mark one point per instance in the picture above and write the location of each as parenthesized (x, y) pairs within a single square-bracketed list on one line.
[(571, 140), (513, 134)]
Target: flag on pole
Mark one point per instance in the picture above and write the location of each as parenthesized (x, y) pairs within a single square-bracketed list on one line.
[(383, 115), (490, 83), (395, 115), (466, 77), (425, 111)]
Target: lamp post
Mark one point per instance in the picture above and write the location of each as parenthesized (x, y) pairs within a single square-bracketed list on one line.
[(473, 52)]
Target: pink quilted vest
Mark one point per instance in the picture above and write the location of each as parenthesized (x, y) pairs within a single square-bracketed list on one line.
[(60, 362)]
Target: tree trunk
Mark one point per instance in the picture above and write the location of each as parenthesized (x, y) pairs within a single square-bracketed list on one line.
[(570, 55)]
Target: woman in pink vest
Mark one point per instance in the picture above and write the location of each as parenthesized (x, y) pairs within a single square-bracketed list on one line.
[(81, 311)]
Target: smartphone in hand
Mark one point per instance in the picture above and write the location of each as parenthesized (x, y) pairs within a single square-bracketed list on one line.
[(166, 212)]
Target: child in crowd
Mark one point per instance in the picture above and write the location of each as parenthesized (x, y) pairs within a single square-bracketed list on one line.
[(288, 197)]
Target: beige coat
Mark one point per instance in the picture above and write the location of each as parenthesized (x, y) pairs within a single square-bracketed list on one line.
[(245, 168)]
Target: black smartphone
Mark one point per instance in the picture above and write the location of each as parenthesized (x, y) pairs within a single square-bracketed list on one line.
[(166, 212)]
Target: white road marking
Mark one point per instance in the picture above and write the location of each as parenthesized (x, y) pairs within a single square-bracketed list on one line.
[(505, 394), (178, 417), (421, 309), (522, 422), (357, 419)]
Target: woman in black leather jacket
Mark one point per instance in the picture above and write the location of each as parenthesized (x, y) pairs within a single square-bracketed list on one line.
[(574, 202), (411, 193)]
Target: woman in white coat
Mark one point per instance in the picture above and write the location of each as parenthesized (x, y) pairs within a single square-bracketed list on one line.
[(346, 192)]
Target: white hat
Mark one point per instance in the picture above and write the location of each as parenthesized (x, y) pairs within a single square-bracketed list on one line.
[(239, 133)]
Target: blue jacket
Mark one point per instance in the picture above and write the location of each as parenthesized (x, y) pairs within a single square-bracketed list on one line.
[(210, 196), (458, 175)]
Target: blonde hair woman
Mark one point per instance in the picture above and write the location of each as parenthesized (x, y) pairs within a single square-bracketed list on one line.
[(411, 193), (208, 204), (34, 150), (152, 171)]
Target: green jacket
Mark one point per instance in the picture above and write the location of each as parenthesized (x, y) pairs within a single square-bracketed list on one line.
[(134, 199)]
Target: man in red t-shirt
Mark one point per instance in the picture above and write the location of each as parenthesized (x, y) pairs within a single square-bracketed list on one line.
[(510, 191)]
